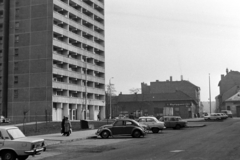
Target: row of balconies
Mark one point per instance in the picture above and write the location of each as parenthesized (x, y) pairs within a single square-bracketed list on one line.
[(89, 5), (77, 23), (80, 17), (79, 43), (77, 69), (79, 33), (76, 94), (69, 55), (66, 80)]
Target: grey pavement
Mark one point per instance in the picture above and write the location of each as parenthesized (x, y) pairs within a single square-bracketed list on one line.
[(57, 138), (52, 139)]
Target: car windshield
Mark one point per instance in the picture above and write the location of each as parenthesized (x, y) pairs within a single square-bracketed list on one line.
[(15, 133)]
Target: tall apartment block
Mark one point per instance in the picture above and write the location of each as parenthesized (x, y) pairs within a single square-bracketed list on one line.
[(52, 59)]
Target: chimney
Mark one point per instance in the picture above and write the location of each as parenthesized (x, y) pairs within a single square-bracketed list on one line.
[(222, 76), (181, 77), (170, 78), (227, 71)]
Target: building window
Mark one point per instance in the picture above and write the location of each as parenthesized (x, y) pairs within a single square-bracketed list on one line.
[(17, 38), (15, 66), (15, 93), (16, 52), (16, 79), (228, 108), (17, 24)]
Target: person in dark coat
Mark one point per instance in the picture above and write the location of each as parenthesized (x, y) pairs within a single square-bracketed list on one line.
[(67, 127), (62, 125)]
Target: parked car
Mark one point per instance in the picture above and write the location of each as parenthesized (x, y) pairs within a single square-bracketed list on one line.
[(152, 123), (14, 144), (174, 122), (124, 127), (223, 115), (228, 112), (4, 120), (213, 116)]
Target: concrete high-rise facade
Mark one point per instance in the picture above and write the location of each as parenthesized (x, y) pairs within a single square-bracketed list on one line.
[(52, 59)]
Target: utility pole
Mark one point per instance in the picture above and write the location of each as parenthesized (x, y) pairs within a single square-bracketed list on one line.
[(110, 99), (210, 95)]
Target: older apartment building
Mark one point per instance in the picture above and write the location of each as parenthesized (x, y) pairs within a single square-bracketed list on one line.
[(52, 59)]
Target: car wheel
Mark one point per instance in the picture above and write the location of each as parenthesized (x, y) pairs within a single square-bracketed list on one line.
[(177, 126), (136, 134), (22, 157), (155, 130), (105, 134), (8, 155)]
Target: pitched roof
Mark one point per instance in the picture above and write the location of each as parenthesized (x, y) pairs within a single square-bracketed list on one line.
[(234, 98), (177, 95)]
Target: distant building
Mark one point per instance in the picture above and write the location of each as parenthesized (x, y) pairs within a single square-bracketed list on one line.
[(179, 98), (206, 107), (52, 59), (229, 87)]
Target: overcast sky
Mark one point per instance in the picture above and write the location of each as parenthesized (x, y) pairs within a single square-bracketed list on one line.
[(149, 40)]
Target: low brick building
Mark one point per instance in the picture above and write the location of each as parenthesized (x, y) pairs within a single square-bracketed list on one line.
[(180, 98)]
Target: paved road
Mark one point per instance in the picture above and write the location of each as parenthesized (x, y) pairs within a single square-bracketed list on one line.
[(216, 141)]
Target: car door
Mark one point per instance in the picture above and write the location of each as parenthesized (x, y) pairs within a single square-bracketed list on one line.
[(172, 122), (142, 121), (129, 127), (118, 127), (150, 122), (167, 122), (1, 140)]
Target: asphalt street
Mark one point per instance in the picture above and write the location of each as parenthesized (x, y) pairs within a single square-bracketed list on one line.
[(216, 141)]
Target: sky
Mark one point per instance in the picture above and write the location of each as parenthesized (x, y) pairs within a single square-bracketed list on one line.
[(149, 40)]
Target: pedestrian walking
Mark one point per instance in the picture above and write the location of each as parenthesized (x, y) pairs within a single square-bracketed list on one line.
[(62, 125), (67, 127), (98, 116)]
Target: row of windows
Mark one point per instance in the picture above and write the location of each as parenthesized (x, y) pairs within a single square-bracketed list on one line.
[(78, 69), (88, 2), (79, 32), (67, 93), (87, 22), (77, 81), (77, 56)]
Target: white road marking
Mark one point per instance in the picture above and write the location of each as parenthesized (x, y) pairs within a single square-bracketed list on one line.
[(176, 151)]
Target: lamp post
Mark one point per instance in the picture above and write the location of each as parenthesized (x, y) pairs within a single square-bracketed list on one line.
[(110, 99), (210, 95)]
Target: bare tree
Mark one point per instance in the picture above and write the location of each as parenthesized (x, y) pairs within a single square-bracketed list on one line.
[(134, 90), (111, 89)]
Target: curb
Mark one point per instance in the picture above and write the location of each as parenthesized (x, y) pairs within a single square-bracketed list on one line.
[(203, 125), (66, 141)]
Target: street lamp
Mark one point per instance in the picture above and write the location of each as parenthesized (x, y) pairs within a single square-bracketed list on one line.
[(110, 104)]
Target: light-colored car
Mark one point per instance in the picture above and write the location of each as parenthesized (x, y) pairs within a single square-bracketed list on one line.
[(213, 116), (123, 127), (223, 115), (4, 120), (14, 144), (175, 122), (228, 112), (152, 123)]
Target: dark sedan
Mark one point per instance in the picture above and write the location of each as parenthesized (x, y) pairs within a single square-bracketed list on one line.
[(123, 127)]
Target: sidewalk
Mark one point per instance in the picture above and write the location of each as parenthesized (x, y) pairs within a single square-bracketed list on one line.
[(57, 138)]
